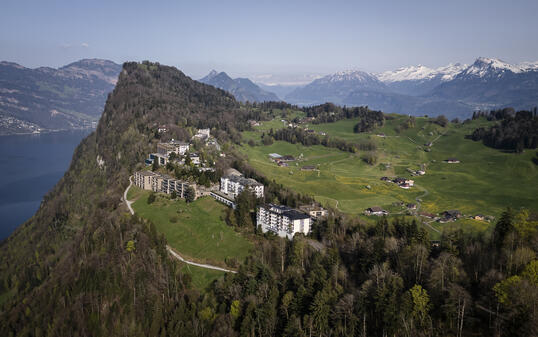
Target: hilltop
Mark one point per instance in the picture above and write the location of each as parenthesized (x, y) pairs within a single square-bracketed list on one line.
[(74, 249), (44, 98)]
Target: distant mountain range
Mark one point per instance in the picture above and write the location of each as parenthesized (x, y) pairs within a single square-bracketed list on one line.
[(454, 90), (242, 88), (45, 98)]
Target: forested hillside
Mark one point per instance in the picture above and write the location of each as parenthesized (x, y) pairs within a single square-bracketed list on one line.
[(68, 271), (83, 266)]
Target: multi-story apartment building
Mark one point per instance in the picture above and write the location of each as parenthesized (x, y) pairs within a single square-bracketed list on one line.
[(173, 146), (156, 182), (234, 184), (282, 220)]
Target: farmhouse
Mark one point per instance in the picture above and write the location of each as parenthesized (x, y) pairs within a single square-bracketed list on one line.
[(287, 158), (411, 206), (452, 160), (405, 186), (375, 211), (386, 179), (282, 220), (479, 217), (275, 156), (234, 184), (308, 168), (451, 215)]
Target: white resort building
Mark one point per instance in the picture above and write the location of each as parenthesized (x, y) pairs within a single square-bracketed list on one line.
[(282, 220), (233, 184)]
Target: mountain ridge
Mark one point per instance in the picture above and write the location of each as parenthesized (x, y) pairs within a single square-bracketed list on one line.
[(455, 90), (243, 89), (69, 97)]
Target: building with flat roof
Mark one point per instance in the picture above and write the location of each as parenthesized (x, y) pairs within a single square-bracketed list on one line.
[(282, 220), (224, 198), (234, 184), (157, 182), (143, 179), (173, 146)]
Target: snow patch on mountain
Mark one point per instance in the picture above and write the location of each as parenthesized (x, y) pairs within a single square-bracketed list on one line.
[(421, 72), (348, 75)]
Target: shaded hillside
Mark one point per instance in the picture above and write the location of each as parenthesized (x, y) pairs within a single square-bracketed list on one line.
[(243, 89), (67, 271), (69, 97)]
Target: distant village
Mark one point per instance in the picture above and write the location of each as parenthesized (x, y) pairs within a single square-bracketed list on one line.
[(278, 219)]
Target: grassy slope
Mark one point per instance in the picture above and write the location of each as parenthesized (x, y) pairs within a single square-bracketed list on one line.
[(198, 232), (486, 181)]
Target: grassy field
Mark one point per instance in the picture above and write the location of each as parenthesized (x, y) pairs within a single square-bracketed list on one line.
[(196, 230), (201, 278), (486, 181)]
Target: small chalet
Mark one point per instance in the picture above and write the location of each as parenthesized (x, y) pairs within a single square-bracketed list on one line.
[(411, 206), (287, 158), (451, 215), (308, 168), (386, 179), (479, 217), (375, 211), (399, 180), (452, 160)]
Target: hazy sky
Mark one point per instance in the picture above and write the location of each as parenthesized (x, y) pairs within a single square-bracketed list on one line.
[(259, 37)]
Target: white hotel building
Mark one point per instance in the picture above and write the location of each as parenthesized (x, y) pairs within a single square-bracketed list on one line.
[(234, 184), (282, 220)]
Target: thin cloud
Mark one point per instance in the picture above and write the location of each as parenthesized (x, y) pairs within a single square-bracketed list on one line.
[(84, 44)]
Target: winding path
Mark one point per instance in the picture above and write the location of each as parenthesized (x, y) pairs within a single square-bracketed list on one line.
[(170, 249)]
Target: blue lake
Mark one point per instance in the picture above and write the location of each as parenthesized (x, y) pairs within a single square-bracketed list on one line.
[(30, 165)]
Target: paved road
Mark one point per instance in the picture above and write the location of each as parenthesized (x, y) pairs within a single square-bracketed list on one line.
[(170, 249)]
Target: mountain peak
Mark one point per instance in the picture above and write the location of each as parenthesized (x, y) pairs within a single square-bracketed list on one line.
[(242, 88)]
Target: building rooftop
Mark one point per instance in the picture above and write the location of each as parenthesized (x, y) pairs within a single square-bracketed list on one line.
[(291, 213), (243, 181)]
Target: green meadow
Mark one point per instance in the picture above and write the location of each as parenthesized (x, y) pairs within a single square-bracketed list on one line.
[(486, 180), (197, 230)]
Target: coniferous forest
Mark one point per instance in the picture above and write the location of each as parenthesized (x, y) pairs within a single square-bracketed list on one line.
[(82, 266)]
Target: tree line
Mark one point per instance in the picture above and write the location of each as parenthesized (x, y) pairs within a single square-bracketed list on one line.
[(514, 131)]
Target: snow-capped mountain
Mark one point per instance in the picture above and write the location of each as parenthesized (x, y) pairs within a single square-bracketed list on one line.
[(335, 87), (454, 90), (420, 72), (242, 88), (490, 83), (418, 80)]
